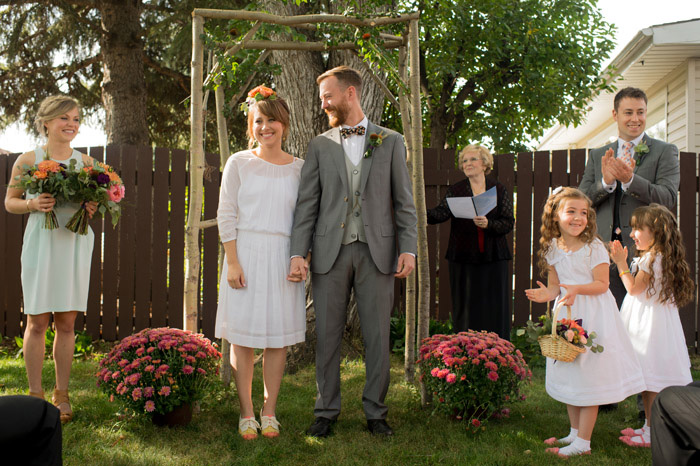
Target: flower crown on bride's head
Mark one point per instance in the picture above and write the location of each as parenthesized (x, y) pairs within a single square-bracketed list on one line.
[(257, 94)]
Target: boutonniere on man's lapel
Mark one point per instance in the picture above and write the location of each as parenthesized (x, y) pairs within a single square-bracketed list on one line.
[(375, 140), (639, 151)]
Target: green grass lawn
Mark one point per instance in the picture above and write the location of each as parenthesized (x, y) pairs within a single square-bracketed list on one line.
[(98, 436)]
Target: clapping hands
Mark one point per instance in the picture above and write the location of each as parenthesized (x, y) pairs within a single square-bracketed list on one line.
[(614, 169), (618, 253)]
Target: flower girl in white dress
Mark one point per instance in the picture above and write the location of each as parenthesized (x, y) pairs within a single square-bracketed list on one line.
[(577, 267), (657, 284)]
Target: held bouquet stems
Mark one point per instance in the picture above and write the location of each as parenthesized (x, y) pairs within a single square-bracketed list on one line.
[(97, 183), (48, 176)]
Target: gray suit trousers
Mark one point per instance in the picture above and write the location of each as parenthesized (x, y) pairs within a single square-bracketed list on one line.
[(374, 292)]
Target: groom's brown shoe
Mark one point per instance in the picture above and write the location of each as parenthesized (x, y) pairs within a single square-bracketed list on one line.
[(321, 427), (379, 427)]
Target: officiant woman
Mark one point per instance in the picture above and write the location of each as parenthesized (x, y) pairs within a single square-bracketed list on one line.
[(477, 252)]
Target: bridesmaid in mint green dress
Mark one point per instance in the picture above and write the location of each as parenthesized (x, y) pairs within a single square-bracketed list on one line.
[(55, 263)]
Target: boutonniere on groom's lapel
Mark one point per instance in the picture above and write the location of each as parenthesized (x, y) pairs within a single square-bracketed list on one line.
[(375, 140), (639, 151)]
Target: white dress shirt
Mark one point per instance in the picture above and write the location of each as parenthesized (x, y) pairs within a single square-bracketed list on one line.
[(611, 187), (354, 145)]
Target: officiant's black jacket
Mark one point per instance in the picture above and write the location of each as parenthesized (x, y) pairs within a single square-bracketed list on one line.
[(463, 246)]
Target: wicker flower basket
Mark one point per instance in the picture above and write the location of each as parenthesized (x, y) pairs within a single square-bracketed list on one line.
[(556, 347)]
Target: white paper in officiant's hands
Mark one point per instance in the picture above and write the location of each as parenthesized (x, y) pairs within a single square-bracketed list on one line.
[(470, 207)]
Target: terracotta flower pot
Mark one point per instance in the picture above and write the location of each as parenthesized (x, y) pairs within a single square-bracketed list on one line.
[(180, 416)]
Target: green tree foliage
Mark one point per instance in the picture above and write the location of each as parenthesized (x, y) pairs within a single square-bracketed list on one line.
[(497, 71), (505, 70), (53, 46)]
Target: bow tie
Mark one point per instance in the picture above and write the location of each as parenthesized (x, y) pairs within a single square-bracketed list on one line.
[(347, 132)]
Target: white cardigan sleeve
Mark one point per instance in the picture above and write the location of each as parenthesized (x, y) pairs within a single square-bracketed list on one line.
[(227, 213)]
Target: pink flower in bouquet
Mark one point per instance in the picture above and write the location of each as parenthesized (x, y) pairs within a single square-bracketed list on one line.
[(136, 394), (451, 378), (187, 369), (569, 335), (116, 193), (434, 371), (493, 376), (148, 392), (165, 391), (150, 406), (583, 340)]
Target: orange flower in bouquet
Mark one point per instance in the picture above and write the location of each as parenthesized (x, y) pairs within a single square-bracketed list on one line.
[(48, 176)]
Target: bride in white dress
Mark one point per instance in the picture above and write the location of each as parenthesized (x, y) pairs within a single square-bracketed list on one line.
[(258, 306)]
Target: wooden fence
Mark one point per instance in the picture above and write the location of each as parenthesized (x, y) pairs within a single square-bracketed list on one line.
[(137, 274)]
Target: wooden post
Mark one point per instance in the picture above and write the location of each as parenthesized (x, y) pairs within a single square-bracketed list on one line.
[(196, 171), (419, 193), (225, 153), (409, 363)]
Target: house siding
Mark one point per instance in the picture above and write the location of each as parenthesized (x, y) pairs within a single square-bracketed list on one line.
[(676, 118), (694, 74)]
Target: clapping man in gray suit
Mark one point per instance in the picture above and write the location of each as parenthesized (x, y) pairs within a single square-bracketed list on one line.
[(633, 171), (355, 213)]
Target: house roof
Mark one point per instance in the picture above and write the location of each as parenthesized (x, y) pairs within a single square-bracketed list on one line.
[(651, 55)]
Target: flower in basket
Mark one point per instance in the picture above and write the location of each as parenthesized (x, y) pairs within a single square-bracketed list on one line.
[(570, 330), (159, 369), (472, 375), (48, 176), (95, 183)]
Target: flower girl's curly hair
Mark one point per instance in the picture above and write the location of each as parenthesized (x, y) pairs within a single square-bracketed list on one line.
[(550, 226), (676, 285)]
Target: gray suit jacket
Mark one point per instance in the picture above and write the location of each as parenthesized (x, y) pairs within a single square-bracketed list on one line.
[(656, 179), (388, 212)]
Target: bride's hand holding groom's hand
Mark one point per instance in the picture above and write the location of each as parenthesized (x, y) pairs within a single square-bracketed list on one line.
[(298, 267)]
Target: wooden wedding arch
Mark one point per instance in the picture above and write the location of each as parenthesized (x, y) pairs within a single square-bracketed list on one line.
[(408, 104)]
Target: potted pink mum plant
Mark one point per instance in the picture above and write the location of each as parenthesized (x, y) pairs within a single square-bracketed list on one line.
[(472, 375), (160, 372)]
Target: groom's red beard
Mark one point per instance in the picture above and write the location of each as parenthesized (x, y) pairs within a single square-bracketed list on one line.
[(339, 114)]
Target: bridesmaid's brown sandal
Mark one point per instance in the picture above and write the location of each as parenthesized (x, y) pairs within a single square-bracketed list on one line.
[(61, 401), (37, 394)]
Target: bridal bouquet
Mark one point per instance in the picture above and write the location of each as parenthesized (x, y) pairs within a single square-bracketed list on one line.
[(48, 176), (97, 183)]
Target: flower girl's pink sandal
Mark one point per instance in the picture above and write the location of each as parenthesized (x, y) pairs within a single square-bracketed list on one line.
[(630, 432), (627, 440), (555, 451)]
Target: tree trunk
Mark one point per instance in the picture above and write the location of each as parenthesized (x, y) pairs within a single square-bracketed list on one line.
[(438, 131), (123, 83)]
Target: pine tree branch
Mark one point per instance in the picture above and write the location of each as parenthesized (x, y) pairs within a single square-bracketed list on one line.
[(181, 80)]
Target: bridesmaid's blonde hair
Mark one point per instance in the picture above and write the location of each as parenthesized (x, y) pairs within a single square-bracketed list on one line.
[(51, 108)]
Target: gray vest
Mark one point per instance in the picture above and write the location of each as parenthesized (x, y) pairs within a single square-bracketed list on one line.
[(354, 226)]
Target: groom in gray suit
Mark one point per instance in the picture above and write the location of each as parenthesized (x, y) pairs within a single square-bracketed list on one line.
[(355, 214), (633, 171)]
